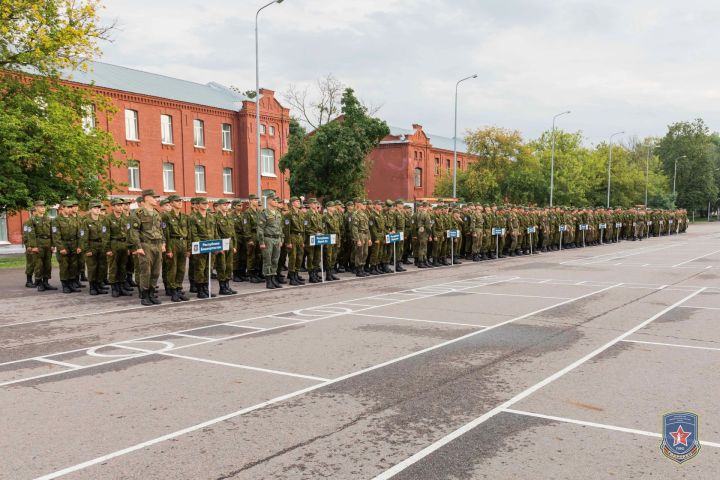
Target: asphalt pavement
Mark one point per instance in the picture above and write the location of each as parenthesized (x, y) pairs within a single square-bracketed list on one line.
[(559, 365)]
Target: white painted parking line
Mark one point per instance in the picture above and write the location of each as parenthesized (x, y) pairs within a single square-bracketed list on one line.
[(55, 362), (701, 308), (516, 295), (240, 326), (672, 345), (389, 317), (282, 398), (697, 258), (520, 396), (178, 334), (598, 425)]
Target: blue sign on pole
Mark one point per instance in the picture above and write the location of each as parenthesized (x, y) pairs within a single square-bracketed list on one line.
[(322, 239), (530, 229), (603, 226), (498, 231), (618, 224), (453, 233), (394, 237), (584, 226), (563, 228), (209, 246)]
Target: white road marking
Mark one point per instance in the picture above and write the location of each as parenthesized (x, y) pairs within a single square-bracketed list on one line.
[(516, 295), (178, 334), (701, 308), (520, 396), (598, 425), (200, 426), (696, 258), (672, 345), (416, 320), (55, 362)]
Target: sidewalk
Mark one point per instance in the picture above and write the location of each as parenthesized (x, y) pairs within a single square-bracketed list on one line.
[(11, 250)]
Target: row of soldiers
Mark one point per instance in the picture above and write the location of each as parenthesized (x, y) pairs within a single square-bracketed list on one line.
[(155, 239)]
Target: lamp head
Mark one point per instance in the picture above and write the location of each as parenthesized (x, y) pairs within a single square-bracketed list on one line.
[(279, 1)]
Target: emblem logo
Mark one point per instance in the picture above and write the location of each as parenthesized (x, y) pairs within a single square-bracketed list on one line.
[(680, 440)]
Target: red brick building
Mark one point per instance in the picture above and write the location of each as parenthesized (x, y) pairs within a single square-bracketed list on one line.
[(183, 137), (407, 163)]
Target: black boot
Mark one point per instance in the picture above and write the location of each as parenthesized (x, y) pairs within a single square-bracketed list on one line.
[(422, 264), (93, 289), (167, 290), (115, 290), (399, 267), (174, 295), (29, 281), (254, 278), (65, 286), (46, 283), (280, 279), (129, 280), (181, 295), (223, 289), (194, 287), (387, 269), (145, 297), (153, 297), (125, 291), (313, 277), (83, 277), (269, 283), (299, 279), (230, 289), (100, 289), (200, 291), (40, 286), (274, 281), (293, 281)]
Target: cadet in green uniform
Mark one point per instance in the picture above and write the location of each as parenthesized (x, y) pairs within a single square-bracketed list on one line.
[(146, 238), (165, 208), (39, 241), (29, 256), (270, 238), (294, 234), (254, 260), (332, 227), (65, 233), (116, 248), (92, 242), (202, 227), (400, 227), (225, 227), (360, 234), (240, 258), (177, 248)]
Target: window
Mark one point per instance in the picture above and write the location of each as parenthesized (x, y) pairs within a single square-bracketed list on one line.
[(131, 125), (421, 155), (447, 165), (168, 177), (166, 133), (268, 162), (199, 178), (88, 118), (199, 133), (437, 166), (262, 129), (271, 129), (458, 164), (226, 137), (418, 177), (134, 175), (3, 228), (227, 180)]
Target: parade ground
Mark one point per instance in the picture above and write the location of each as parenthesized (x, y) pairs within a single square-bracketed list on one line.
[(551, 366)]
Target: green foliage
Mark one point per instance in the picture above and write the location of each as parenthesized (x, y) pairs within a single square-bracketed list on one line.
[(45, 152), (332, 161)]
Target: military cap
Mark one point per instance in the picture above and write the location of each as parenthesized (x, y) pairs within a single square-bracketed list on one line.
[(272, 195), (164, 201), (139, 199), (389, 203), (67, 203), (312, 200), (199, 200), (294, 199), (252, 196), (149, 192), (330, 203), (174, 198), (32, 210), (117, 201), (39, 203), (236, 202), (221, 201), (349, 203), (75, 202), (94, 204)]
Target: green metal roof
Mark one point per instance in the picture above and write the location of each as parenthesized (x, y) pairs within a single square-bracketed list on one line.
[(146, 83), (437, 141)]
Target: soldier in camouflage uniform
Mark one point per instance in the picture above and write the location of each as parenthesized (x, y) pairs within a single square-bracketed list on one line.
[(29, 257), (252, 251), (65, 235), (294, 235), (177, 248), (201, 226), (146, 239), (270, 238), (116, 248), (93, 235)]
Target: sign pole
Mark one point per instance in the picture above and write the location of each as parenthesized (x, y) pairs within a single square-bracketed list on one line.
[(394, 259), (322, 266), (209, 274), (618, 233), (452, 251), (530, 243), (583, 238), (562, 232), (497, 246)]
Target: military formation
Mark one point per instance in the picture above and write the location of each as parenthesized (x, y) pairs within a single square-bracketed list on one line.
[(126, 248)]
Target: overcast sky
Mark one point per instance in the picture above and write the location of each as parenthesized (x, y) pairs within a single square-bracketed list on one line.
[(634, 65)]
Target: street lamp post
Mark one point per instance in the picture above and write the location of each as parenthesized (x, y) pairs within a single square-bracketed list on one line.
[(552, 158), (257, 96), (455, 136), (675, 174), (647, 172), (610, 166)]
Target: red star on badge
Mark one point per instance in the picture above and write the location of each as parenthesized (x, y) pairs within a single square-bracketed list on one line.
[(680, 436)]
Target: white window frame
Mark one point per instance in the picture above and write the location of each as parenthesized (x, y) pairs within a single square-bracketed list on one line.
[(132, 125), (227, 180), (88, 119), (198, 133), (265, 162), (134, 179), (226, 137), (166, 129), (168, 177), (3, 228), (200, 174), (271, 130), (417, 174), (262, 129)]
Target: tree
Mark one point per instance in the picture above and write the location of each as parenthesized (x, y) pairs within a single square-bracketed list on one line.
[(325, 105), (698, 157), (46, 151), (332, 161)]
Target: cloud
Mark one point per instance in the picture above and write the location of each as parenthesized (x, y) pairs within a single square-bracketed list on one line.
[(635, 66)]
